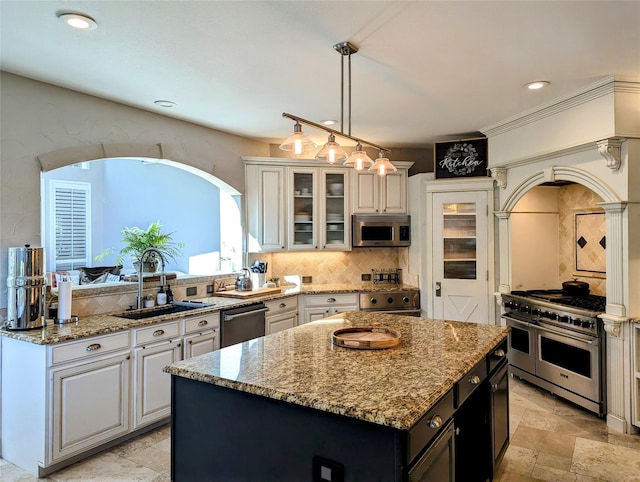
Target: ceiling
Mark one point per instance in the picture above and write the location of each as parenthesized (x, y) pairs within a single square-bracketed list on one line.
[(425, 71)]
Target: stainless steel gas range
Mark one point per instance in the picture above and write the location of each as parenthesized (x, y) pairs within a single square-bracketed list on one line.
[(556, 342)]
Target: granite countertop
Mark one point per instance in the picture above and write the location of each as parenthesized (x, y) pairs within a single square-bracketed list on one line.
[(110, 323), (392, 387)]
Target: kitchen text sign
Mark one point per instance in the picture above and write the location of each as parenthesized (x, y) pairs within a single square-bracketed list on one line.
[(461, 158)]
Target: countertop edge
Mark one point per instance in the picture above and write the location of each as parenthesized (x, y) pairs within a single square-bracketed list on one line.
[(118, 324)]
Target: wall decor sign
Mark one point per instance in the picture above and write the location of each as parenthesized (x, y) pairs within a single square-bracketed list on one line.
[(461, 158)]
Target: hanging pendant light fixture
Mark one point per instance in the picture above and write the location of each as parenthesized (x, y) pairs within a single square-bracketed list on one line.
[(359, 159), (298, 142), (382, 166), (331, 151)]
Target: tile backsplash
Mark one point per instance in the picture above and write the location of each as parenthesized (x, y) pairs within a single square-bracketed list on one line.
[(333, 266), (577, 199)]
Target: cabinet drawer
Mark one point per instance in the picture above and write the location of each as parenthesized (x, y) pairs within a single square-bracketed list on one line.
[(157, 332), (331, 299), (429, 425), (496, 355), (471, 381), (282, 305), (205, 322), (88, 347)]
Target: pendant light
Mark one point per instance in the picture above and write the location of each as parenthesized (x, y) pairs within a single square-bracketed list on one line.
[(331, 152), (298, 142), (382, 166), (359, 159)]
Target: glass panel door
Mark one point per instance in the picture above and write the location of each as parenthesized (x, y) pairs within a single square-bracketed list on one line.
[(303, 209), (459, 238), (335, 211)]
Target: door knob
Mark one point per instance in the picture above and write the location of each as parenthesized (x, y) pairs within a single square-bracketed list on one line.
[(438, 288)]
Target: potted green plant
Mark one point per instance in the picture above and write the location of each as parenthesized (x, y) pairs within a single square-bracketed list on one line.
[(137, 240)]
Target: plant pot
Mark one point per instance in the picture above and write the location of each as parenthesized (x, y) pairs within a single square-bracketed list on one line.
[(147, 266)]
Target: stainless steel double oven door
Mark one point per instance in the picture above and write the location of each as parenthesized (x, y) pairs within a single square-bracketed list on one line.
[(566, 359)]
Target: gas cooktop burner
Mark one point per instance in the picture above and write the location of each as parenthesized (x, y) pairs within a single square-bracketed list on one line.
[(587, 302)]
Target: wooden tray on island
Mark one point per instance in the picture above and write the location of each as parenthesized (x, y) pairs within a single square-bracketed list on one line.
[(366, 337)]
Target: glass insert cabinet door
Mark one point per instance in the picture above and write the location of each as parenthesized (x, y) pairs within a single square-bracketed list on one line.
[(304, 209), (335, 218), (459, 240)]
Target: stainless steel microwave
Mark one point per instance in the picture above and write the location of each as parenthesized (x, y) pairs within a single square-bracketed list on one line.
[(376, 231)]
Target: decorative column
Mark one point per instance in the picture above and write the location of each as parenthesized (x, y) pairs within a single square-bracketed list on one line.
[(504, 237), (616, 323)]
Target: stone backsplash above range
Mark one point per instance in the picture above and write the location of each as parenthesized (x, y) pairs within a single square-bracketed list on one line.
[(336, 266)]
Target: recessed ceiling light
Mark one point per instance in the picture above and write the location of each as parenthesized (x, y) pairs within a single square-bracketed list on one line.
[(165, 103), (78, 21), (538, 84), (329, 122)]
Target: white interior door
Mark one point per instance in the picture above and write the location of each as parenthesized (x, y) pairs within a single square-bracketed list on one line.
[(460, 276)]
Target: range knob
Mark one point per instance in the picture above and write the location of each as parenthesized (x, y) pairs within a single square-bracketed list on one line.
[(551, 315), (577, 321), (564, 319), (536, 311), (373, 301), (525, 309), (405, 299), (511, 305), (588, 324)]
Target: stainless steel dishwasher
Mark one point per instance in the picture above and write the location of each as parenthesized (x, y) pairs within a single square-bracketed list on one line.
[(242, 324)]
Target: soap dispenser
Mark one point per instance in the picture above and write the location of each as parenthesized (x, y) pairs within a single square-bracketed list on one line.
[(169, 294), (161, 298)]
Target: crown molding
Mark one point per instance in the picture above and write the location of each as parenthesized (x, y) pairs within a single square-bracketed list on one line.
[(605, 86)]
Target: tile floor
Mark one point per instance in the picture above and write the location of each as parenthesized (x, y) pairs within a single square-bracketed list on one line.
[(551, 440)]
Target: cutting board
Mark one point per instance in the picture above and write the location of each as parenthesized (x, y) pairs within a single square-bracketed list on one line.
[(247, 294)]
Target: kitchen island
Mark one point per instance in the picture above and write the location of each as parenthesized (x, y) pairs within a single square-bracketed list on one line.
[(293, 406)]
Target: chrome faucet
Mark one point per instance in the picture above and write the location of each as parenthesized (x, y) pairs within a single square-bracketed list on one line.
[(144, 254)]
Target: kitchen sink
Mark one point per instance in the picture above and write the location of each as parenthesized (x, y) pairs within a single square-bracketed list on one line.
[(176, 307)]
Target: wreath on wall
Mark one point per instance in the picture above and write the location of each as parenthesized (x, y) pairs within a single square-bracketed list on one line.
[(459, 152)]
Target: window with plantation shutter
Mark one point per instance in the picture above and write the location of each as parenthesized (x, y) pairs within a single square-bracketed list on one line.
[(71, 224)]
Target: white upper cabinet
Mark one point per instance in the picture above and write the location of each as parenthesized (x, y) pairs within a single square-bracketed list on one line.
[(373, 194), (265, 207), (297, 205)]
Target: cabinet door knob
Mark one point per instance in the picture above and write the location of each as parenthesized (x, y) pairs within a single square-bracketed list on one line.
[(158, 333), (94, 347), (474, 380), (331, 300), (499, 352), (283, 305), (436, 421), (203, 323)]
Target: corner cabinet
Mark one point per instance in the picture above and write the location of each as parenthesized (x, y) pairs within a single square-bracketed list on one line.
[(265, 202)]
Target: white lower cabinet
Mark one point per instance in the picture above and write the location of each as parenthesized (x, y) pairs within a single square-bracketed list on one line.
[(202, 335), (317, 307), (152, 386), (156, 346), (281, 314), (90, 397)]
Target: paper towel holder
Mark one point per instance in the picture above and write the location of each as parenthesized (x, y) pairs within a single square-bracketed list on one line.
[(60, 321)]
